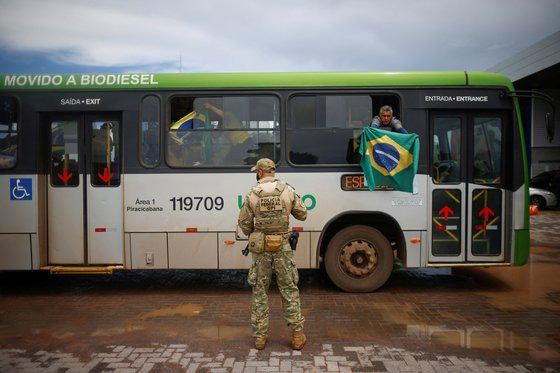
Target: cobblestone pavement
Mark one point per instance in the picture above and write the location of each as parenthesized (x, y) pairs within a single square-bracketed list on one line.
[(469, 320)]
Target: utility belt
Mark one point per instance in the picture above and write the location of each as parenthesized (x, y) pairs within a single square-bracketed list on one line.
[(260, 242)]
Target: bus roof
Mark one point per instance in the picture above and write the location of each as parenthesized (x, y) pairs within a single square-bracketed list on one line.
[(74, 82)]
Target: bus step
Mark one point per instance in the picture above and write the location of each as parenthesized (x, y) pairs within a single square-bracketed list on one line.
[(85, 270)]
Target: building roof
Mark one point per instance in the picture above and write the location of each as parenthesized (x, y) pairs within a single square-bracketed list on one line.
[(537, 65)]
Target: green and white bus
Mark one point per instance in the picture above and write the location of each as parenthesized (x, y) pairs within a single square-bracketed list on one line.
[(147, 171)]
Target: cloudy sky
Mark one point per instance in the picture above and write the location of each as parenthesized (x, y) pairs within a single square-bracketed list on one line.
[(72, 36)]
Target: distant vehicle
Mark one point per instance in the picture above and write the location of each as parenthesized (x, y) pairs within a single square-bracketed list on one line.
[(544, 180), (542, 198)]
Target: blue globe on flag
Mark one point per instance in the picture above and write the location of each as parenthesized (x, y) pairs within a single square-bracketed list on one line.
[(386, 156)]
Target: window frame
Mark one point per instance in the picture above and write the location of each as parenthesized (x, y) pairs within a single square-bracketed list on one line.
[(224, 94), (91, 170), (503, 148), (290, 126), (447, 145), (79, 153), (140, 132), (17, 112)]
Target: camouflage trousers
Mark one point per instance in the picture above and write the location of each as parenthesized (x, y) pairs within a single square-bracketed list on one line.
[(287, 278)]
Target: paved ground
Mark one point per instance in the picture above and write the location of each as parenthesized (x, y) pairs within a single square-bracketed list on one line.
[(494, 320)]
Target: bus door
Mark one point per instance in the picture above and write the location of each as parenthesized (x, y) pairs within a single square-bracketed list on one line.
[(468, 198), (84, 195)]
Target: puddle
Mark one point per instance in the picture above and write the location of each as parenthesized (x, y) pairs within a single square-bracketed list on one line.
[(63, 335), (110, 332), (135, 324), (183, 310), (469, 338), (530, 286)]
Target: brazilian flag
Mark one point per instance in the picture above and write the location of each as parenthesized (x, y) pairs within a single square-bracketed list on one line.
[(389, 159), (189, 121)]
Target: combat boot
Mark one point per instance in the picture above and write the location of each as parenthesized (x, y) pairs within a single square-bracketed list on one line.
[(260, 342), (298, 339)]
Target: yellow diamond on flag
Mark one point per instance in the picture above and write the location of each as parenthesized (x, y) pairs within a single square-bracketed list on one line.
[(387, 156)]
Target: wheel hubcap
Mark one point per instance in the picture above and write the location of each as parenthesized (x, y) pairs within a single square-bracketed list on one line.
[(358, 258)]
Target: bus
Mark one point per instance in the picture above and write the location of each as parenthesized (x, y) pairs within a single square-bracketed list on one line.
[(102, 172)]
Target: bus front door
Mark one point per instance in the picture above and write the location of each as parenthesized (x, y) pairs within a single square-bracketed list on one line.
[(468, 199), (84, 195)]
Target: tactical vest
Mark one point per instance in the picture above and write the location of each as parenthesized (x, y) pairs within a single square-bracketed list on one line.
[(271, 211)]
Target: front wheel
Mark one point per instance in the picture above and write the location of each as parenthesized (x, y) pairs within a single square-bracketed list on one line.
[(359, 259)]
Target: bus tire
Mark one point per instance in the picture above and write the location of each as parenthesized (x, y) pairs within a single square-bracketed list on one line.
[(359, 259)]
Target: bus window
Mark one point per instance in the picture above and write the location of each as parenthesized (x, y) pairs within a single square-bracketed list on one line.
[(223, 131), (8, 132), (150, 144), (105, 153), (326, 129), (487, 158), (64, 154), (446, 145)]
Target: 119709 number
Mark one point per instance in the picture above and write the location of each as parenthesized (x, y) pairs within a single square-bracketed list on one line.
[(197, 203)]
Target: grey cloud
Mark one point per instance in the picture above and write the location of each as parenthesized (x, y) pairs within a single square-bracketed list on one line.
[(265, 35)]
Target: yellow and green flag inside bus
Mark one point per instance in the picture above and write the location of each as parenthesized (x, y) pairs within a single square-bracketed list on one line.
[(389, 159)]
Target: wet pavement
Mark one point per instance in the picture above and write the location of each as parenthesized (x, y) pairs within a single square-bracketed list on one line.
[(468, 320)]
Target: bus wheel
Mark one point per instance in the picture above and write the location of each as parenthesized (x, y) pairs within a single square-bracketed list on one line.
[(359, 259)]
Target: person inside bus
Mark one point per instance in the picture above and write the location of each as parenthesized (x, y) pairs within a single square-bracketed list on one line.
[(240, 141), (386, 121)]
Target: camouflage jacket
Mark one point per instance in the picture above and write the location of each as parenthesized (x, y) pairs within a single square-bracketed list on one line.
[(290, 199)]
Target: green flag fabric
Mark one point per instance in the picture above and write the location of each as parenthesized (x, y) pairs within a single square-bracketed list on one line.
[(389, 159)]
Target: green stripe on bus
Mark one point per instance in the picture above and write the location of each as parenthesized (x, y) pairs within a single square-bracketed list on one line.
[(248, 80)]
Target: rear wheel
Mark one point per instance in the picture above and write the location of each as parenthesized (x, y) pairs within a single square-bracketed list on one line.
[(359, 259)]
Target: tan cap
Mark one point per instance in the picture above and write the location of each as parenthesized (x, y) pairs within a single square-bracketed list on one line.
[(265, 164)]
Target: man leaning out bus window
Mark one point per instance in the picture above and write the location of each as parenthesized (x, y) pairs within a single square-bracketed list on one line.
[(386, 121)]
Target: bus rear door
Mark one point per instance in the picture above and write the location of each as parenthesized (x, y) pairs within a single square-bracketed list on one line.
[(84, 195), (468, 199)]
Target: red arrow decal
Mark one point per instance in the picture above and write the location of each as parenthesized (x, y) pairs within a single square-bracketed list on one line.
[(445, 211), (486, 211), (65, 175), (106, 176)]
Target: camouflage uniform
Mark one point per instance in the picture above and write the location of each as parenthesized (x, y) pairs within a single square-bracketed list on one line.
[(251, 218)]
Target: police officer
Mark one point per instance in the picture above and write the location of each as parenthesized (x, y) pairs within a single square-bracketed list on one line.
[(264, 216)]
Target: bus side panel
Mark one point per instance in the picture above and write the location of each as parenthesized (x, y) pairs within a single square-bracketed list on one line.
[(315, 248), (18, 204), (229, 253), (185, 201), (15, 251), (148, 251), (302, 255), (193, 250), (18, 221), (415, 248), (127, 252)]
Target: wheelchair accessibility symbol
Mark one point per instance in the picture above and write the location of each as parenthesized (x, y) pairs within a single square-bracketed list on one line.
[(20, 189)]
